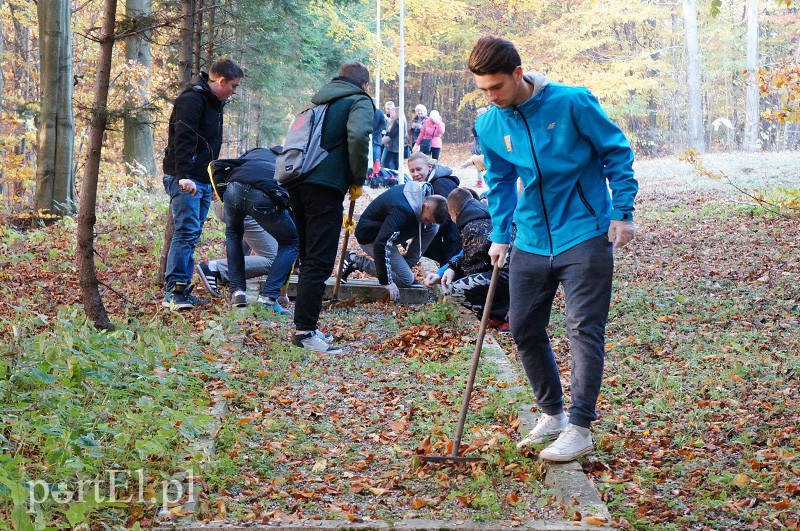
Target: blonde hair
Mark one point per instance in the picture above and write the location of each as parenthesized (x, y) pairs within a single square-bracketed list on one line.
[(423, 157), (435, 116)]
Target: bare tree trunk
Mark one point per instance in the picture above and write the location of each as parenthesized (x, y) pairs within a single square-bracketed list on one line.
[(92, 301), (752, 120), (197, 54), (210, 34), (185, 62), (695, 107), (185, 75), (55, 182), (138, 126)]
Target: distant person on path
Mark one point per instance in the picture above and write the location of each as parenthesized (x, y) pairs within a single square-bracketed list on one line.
[(253, 192), (420, 114), (567, 153), (391, 140), (402, 213), (475, 149), (194, 140), (379, 124), (430, 136), (317, 199), (446, 244)]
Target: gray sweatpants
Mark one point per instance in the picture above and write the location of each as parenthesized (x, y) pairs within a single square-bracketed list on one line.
[(399, 264), (585, 271), (257, 241)]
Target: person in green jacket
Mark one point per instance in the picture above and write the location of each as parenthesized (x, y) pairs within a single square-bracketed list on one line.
[(567, 153), (317, 198)]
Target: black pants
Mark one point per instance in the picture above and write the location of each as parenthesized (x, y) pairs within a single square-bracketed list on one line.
[(317, 214)]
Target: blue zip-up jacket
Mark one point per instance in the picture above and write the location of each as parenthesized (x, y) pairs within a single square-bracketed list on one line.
[(567, 152)]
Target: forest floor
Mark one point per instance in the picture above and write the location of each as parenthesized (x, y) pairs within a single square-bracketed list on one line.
[(699, 424)]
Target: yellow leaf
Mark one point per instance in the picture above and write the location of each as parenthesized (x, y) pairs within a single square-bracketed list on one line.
[(319, 466), (595, 520), (740, 480)]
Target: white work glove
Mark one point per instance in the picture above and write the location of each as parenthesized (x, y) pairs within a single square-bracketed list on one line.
[(394, 291), (498, 252), (447, 280), (621, 232), (431, 279), (187, 186)]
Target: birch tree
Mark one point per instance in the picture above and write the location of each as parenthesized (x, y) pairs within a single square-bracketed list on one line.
[(752, 118), (694, 107), (55, 181), (138, 126)]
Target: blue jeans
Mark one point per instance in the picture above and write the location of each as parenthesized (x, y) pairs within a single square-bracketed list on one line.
[(377, 149), (586, 272), (189, 213), (244, 200)]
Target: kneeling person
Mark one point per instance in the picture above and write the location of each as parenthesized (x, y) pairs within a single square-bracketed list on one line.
[(469, 274), (402, 213), (252, 191)]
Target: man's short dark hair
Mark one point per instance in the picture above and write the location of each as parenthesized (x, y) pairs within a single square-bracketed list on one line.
[(458, 198), (355, 71), (439, 205), (493, 55), (227, 69)]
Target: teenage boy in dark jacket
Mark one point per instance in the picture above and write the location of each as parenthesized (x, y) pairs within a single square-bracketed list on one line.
[(252, 191), (469, 274), (401, 213), (317, 199), (195, 138)]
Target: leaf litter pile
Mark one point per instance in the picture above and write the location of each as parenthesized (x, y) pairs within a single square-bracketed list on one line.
[(316, 436)]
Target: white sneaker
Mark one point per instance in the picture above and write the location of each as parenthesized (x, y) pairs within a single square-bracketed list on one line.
[(571, 444), (327, 338), (547, 429), (313, 341)]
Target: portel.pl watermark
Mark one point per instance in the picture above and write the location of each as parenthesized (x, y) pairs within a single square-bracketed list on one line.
[(115, 486)]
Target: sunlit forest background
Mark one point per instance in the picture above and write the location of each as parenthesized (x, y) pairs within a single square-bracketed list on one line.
[(673, 75)]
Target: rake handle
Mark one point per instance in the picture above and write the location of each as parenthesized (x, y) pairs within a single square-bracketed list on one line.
[(344, 250), (476, 356)]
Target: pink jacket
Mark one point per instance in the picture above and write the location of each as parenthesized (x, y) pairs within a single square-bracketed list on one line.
[(432, 131)]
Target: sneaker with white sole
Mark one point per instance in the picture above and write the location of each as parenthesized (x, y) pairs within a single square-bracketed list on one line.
[(312, 341), (548, 428), (327, 338), (573, 442), (273, 305), (348, 266), (239, 299), (209, 278), (179, 297)]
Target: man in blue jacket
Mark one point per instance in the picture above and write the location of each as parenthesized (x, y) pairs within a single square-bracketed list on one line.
[(567, 153), (195, 139)]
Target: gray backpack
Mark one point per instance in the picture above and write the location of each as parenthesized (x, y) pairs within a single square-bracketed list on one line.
[(302, 149)]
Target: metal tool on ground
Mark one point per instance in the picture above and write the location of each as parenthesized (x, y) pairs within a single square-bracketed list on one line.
[(347, 231), (476, 356)]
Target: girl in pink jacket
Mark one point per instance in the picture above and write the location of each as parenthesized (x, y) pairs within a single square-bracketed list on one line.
[(429, 140)]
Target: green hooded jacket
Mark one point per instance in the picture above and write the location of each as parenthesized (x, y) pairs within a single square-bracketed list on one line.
[(345, 134)]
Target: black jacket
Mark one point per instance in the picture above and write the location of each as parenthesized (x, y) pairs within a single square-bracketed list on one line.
[(446, 244), (392, 218), (475, 225), (195, 131), (256, 168), (379, 124)]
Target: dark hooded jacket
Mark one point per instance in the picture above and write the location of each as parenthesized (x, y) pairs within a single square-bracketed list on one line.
[(446, 244), (345, 135), (391, 218), (195, 131), (475, 225), (256, 168)]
